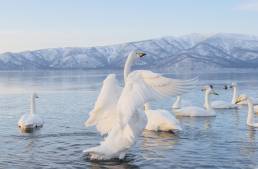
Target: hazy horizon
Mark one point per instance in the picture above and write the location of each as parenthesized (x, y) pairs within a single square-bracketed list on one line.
[(123, 42), (32, 25)]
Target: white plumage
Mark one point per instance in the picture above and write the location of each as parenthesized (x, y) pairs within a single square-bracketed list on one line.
[(234, 86), (250, 114), (221, 104), (103, 114), (160, 120), (31, 120), (198, 111), (128, 118)]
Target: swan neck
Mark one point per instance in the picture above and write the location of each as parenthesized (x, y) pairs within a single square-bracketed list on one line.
[(177, 103), (250, 114), (33, 106), (128, 65), (207, 101), (234, 96)]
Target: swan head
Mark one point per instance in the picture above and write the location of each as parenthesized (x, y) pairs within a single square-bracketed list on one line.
[(225, 87), (241, 98), (136, 54), (34, 95), (233, 84), (209, 89)]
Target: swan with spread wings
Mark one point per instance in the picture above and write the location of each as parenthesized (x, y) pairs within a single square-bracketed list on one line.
[(118, 112)]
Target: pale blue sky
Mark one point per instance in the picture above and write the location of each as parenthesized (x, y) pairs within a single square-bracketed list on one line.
[(36, 24)]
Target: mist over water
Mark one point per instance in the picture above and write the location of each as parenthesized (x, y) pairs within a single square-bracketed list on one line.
[(66, 97)]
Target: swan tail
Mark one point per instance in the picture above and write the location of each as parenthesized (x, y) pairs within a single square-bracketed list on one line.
[(102, 153), (115, 145), (174, 124), (96, 153)]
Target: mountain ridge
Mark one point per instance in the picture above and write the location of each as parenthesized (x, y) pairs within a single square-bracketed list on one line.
[(187, 53)]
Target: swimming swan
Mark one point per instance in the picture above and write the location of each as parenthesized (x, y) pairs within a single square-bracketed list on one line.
[(250, 114), (198, 111), (125, 110), (221, 104), (31, 120), (160, 120)]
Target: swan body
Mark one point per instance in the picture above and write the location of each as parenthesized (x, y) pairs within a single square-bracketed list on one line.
[(250, 113), (31, 120), (220, 104), (160, 120), (194, 111), (126, 111)]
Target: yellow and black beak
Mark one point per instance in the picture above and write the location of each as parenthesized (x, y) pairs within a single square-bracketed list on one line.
[(141, 54), (237, 101)]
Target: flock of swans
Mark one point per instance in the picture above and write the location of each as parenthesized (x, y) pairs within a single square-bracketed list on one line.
[(121, 113)]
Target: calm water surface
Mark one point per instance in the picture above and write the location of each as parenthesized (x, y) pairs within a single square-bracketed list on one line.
[(224, 141)]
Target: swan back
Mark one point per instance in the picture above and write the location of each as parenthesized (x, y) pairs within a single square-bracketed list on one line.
[(161, 120)]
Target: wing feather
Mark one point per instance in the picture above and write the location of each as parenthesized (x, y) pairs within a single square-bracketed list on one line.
[(143, 86), (104, 111)]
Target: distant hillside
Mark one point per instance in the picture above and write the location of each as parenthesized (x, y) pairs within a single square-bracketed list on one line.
[(189, 52)]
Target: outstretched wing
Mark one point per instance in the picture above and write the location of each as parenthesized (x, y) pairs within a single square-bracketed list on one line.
[(140, 87), (104, 111), (143, 86)]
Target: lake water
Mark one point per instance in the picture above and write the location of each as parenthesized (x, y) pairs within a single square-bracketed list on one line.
[(224, 141)]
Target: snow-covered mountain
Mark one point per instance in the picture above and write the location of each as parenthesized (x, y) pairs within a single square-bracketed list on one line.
[(189, 52)]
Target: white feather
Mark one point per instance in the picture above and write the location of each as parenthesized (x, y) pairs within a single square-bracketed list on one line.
[(161, 120), (104, 112), (126, 112), (131, 117)]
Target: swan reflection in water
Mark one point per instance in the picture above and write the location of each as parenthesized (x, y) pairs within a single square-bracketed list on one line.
[(251, 148), (113, 163), (154, 143)]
